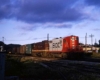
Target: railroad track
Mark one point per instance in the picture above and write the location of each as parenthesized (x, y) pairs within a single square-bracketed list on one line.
[(84, 68), (85, 59)]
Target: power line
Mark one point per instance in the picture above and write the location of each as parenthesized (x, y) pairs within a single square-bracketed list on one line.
[(4, 39), (30, 39), (86, 42), (91, 39), (26, 39)]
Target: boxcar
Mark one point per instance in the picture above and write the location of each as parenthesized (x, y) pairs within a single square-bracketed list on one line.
[(22, 49), (14, 50), (18, 50), (28, 49)]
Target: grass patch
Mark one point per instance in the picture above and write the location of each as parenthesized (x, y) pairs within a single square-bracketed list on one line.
[(28, 69), (96, 55), (13, 67)]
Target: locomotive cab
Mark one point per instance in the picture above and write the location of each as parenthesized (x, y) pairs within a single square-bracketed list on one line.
[(74, 44), (73, 49)]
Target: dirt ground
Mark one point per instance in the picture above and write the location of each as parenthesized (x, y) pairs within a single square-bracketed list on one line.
[(32, 70)]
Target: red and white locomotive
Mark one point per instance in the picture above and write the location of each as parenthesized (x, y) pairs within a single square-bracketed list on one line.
[(64, 44), (59, 47)]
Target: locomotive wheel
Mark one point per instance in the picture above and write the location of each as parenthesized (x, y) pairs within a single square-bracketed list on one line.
[(49, 55), (64, 55), (42, 54)]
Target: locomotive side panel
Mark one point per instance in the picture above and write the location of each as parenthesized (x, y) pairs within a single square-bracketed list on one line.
[(45, 44), (40, 49), (56, 44), (65, 44), (40, 46)]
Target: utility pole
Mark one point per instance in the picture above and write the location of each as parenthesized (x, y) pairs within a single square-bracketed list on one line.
[(86, 42), (3, 39), (48, 37), (91, 40), (2, 46), (48, 40), (96, 45), (95, 42)]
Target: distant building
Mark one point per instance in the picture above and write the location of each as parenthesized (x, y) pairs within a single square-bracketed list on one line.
[(89, 48), (1, 48)]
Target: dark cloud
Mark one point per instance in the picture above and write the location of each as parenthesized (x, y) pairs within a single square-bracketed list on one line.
[(48, 11), (26, 28), (22, 34), (93, 2), (59, 25), (96, 29), (40, 11), (64, 26), (5, 9)]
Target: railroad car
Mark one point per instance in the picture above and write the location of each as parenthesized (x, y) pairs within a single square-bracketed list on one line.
[(18, 50), (40, 48), (22, 49), (28, 49), (14, 50)]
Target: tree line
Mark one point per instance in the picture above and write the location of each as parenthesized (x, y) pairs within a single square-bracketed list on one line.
[(7, 46)]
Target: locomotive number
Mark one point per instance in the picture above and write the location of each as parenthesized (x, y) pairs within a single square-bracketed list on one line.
[(56, 45)]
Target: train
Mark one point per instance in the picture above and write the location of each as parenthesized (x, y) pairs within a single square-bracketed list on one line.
[(62, 47)]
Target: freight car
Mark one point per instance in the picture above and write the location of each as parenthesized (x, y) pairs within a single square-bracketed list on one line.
[(12, 48), (28, 49), (22, 49)]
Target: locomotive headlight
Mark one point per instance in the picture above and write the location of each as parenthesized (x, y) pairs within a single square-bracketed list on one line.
[(72, 38)]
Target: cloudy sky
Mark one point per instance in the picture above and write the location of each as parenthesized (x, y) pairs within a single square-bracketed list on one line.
[(28, 21)]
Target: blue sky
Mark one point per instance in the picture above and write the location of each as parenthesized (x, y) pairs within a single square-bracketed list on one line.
[(29, 21)]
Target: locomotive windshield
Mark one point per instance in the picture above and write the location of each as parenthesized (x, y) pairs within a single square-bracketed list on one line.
[(73, 42), (74, 38)]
